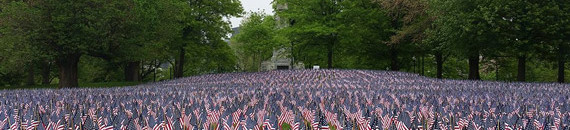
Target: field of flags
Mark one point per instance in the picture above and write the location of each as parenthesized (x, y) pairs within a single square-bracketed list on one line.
[(294, 100)]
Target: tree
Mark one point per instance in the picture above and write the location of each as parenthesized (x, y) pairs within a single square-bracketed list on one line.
[(563, 31), (409, 19), (65, 31), (256, 39), (314, 22), (525, 27), (16, 34), (465, 30), (523, 24), (203, 23), (334, 28), (154, 25), (73, 29)]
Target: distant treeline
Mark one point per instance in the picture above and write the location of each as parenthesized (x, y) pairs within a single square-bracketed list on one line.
[(67, 42), (506, 40)]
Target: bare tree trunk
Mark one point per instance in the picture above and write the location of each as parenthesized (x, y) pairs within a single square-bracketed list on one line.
[(474, 68), (497, 70), (422, 65), (561, 62), (254, 64), (521, 75), (179, 64), (394, 65), (68, 71), (46, 70), (260, 59), (155, 62), (439, 62), (132, 71), (330, 56), (31, 75)]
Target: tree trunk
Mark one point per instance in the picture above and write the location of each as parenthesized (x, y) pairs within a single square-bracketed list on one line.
[(254, 67), (260, 59), (30, 77), (422, 65), (394, 65), (561, 62), (439, 62), (154, 71), (497, 70), (46, 70), (132, 71), (330, 56), (521, 75), (179, 64), (474, 68), (68, 71)]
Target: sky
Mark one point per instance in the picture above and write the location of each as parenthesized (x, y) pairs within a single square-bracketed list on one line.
[(255, 6)]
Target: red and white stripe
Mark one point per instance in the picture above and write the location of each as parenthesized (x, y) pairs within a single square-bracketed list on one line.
[(225, 122), (296, 126), (168, 124), (14, 126), (386, 121), (58, 126), (33, 124), (3, 123), (538, 125), (243, 124), (107, 128), (266, 124), (315, 125), (157, 126), (476, 127), (123, 126), (508, 127), (401, 126)]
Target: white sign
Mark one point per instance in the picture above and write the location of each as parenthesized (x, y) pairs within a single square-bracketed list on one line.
[(316, 67)]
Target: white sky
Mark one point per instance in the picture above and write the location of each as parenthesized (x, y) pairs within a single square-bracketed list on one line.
[(255, 6)]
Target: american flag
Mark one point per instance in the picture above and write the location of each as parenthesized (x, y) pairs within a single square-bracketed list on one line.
[(401, 126), (389, 103), (267, 125)]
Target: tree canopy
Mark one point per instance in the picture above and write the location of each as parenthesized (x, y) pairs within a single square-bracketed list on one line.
[(68, 42)]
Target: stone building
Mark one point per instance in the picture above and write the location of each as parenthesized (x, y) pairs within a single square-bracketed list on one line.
[(282, 58)]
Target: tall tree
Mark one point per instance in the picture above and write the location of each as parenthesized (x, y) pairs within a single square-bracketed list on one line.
[(256, 39), (314, 22), (153, 25), (466, 32), (332, 27), (17, 26), (203, 24), (73, 29), (410, 19), (563, 31), (525, 25), (65, 31)]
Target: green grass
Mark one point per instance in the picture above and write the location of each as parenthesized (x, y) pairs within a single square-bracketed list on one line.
[(81, 85)]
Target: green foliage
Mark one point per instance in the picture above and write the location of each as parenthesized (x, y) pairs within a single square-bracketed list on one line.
[(216, 58), (94, 69), (350, 30), (16, 18), (257, 39), (118, 32), (286, 126), (103, 36), (81, 85)]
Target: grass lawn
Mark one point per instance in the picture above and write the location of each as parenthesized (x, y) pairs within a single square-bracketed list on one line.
[(81, 85)]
